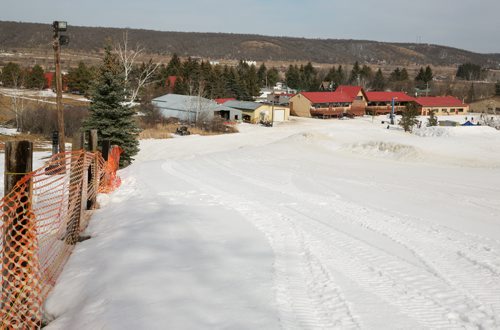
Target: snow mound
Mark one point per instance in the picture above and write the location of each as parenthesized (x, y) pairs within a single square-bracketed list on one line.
[(383, 149), (434, 131)]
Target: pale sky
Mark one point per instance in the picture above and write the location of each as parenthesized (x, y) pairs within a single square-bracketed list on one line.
[(468, 24)]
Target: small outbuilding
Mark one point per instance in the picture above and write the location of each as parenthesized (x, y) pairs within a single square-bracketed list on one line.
[(255, 112), (194, 108)]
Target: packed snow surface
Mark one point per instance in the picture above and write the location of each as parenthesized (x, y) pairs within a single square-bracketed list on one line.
[(311, 224)]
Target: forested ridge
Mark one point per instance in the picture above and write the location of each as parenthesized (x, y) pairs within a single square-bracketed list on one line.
[(226, 46)]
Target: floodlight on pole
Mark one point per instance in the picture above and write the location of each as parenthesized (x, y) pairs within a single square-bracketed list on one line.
[(60, 26)]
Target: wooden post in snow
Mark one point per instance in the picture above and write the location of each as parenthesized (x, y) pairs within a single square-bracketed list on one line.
[(20, 297), (76, 191), (93, 178)]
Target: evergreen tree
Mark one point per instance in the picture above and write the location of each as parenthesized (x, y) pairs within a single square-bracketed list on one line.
[(341, 76), (80, 78), (404, 75), (174, 67), (273, 76), (497, 88), (469, 71), (399, 75), (113, 120), (218, 82), (423, 77), (292, 77), (252, 82), (378, 83), (262, 76), (12, 75), (35, 78), (432, 121), (428, 75), (409, 117), (355, 74), (181, 86), (365, 75)]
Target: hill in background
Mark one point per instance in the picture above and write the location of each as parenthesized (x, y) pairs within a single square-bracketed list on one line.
[(225, 46)]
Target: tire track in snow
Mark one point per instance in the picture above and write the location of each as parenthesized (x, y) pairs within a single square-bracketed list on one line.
[(307, 297), (468, 309), (439, 248), (448, 254)]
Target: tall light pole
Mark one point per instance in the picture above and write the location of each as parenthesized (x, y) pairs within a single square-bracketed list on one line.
[(58, 41), (392, 110)]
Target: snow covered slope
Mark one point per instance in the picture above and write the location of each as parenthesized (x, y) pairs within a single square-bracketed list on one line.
[(309, 225)]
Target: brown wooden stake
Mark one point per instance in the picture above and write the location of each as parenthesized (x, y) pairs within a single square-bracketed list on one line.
[(76, 194), (106, 146), (93, 171), (20, 297)]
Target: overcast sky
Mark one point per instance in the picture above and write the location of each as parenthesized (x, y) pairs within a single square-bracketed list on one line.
[(468, 24)]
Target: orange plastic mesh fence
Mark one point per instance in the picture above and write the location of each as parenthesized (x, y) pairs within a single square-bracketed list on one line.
[(42, 218)]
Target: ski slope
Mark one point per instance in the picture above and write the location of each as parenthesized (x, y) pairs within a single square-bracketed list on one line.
[(308, 225)]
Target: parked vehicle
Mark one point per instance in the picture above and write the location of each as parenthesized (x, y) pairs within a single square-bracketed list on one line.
[(182, 130)]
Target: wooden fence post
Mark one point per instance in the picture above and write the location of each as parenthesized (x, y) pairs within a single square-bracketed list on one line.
[(106, 146), (93, 179), (75, 195), (21, 296)]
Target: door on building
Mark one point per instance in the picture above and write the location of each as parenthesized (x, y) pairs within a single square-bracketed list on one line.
[(279, 115)]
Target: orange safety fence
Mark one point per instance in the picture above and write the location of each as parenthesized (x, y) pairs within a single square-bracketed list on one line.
[(42, 218)]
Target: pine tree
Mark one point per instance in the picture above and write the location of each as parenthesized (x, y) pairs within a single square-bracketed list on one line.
[(262, 75), (113, 120), (80, 78), (35, 78), (174, 67), (378, 83), (432, 121), (428, 75), (12, 75), (292, 77), (273, 76), (409, 117), (355, 73), (404, 75)]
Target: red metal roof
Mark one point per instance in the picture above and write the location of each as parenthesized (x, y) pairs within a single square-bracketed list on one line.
[(351, 91), (387, 97), (327, 97), (440, 101), (222, 101)]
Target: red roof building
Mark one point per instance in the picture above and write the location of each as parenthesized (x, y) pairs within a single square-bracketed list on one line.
[(380, 103), (384, 97), (344, 101), (442, 105)]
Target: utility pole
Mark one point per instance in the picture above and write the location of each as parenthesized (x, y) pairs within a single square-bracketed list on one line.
[(58, 41)]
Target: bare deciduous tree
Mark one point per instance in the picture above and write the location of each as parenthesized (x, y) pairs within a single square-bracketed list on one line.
[(17, 101), (128, 58)]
